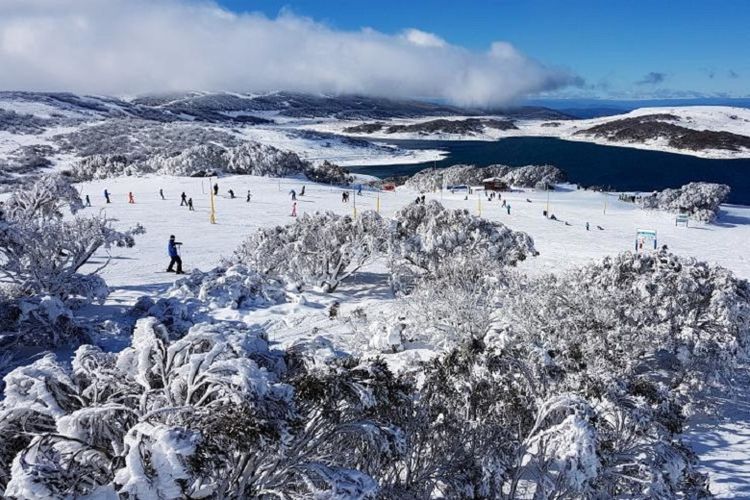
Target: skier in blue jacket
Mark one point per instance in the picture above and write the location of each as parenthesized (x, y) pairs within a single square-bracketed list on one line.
[(174, 255)]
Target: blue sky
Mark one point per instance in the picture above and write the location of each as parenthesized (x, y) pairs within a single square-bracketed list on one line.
[(621, 48)]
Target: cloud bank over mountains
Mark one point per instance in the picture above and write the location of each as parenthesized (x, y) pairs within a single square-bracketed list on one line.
[(140, 46)]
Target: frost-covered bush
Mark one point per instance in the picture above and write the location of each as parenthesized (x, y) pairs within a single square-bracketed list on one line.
[(329, 173), (197, 159), (484, 426), (654, 318), (320, 249), (457, 305), (42, 253), (701, 200), (534, 176), (252, 158), (104, 166), (530, 176), (429, 238), (17, 123), (214, 414), (236, 286), (139, 140)]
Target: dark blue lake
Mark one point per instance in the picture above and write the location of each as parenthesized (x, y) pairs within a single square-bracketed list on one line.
[(623, 169)]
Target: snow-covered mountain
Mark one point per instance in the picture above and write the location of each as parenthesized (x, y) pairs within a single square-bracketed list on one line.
[(706, 131)]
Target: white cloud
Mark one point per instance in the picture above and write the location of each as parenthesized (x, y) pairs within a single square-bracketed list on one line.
[(138, 46), (423, 39)]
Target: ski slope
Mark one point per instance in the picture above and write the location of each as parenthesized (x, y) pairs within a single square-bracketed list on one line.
[(723, 443)]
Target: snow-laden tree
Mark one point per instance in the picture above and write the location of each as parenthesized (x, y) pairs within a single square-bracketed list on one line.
[(42, 256), (429, 238), (320, 249), (215, 414), (701, 200)]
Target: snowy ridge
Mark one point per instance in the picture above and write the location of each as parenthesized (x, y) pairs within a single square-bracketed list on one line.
[(699, 118)]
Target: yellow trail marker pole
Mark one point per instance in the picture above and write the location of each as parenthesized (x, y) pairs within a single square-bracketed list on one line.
[(354, 204), (212, 217), (548, 202), (377, 204), (479, 204)]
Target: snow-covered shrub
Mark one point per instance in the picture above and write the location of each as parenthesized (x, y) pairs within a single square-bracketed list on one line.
[(329, 173), (236, 286), (429, 238), (104, 166), (655, 317), (252, 158), (18, 123), (42, 254), (484, 426), (433, 179), (215, 414), (177, 315), (534, 176), (701, 200), (320, 249), (459, 304), (138, 140), (198, 159)]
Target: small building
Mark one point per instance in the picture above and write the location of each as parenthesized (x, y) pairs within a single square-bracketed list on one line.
[(494, 184)]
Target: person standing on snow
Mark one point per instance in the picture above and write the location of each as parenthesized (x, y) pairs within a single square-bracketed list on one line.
[(302, 191), (131, 199), (249, 195), (183, 199), (88, 201), (106, 196), (294, 209), (161, 193), (231, 193), (294, 194), (216, 189), (174, 255), (190, 205)]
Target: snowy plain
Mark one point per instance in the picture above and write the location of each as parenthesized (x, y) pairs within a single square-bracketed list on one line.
[(723, 443)]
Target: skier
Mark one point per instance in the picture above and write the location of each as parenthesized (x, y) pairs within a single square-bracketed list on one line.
[(161, 193), (302, 191), (359, 191), (249, 195), (190, 205), (174, 256), (183, 199), (88, 201), (216, 189), (131, 200), (507, 207), (344, 197), (106, 196), (231, 193), (294, 209), (587, 226), (294, 195), (422, 199)]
